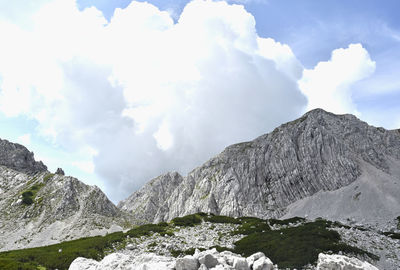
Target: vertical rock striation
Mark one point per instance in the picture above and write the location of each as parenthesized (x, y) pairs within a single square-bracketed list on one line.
[(320, 151)]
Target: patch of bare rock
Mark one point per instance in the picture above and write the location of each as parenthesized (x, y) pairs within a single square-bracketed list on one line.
[(209, 260)]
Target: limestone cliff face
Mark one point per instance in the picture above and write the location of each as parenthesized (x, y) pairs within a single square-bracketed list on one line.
[(318, 152), (17, 157), (39, 208)]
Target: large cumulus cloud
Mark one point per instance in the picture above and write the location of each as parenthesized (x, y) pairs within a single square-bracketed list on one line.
[(140, 94)]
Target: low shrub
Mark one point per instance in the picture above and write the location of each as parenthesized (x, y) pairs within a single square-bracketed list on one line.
[(186, 221), (296, 246), (250, 225), (222, 219), (292, 220)]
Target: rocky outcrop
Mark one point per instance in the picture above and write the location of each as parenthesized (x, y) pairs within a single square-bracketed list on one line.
[(340, 262), (318, 152), (17, 157), (149, 198), (49, 208), (40, 208), (210, 260)]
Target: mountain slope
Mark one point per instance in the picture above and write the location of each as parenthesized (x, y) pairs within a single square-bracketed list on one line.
[(17, 157), (318, 152), (39, 208)]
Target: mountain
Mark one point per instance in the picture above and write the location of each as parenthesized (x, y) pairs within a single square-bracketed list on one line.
[(18, 158), (40, 208), (322, 164)]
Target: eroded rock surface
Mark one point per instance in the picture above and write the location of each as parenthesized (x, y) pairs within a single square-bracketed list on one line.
[(220, 260), (318, 152), (17, 157)]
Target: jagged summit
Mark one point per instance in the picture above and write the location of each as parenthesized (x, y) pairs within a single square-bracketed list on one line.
[(40, 208), (17, 157), (319, 152)]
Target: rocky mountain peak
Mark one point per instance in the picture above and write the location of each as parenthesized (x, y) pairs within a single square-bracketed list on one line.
[(17, 157), (319, 152), (40, 208)]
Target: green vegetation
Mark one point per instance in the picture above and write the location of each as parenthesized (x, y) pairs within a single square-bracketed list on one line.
[(250, 225), (295, 247), (291, 247), (189, 220), (392, 235), (292, 220), (178, 253), (222, 219), (28, 196), (50, 257), (48, 176)]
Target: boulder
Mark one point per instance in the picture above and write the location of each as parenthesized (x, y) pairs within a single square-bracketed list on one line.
[(263, 263), (84, 264), (187, 263), (240, 263), (208, 260), (341, 262), (252, 258)]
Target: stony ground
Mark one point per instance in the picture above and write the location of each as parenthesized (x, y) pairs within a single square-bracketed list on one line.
[(386, 248), (156, 252), (202, 236)]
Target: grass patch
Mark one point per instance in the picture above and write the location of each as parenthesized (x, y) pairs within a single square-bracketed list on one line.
[(296, 246), (147, 229), (28, 196), (48, 176), (251, 225), (222, 219), (49, 257), (95, 248), (392, 235), (180, 253), (291, 247), (188, 221), (292, 220)]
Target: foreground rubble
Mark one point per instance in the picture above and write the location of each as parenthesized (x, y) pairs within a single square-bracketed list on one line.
[(209, 260)]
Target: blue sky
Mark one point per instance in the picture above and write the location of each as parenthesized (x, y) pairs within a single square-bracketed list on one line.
[(116, 97)]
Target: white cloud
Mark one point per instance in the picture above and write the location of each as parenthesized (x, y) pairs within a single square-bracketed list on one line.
[(24, 139), (86, 166), (328, 85), (145, 94)]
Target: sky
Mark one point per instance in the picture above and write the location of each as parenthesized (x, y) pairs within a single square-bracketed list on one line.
[(119, 92)]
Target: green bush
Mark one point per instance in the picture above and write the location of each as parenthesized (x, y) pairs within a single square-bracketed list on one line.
[(292, 220), (147, 229), (296, 246), (29, 195), (222, 219), (251, 225), (186, 221), (289, 247), (392, 235)]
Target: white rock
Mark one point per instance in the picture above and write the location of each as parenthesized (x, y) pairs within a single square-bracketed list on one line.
[(240, 264), (130, 246), (187, 263), (263, 263), (83, 264), (252, 258), (203, 267), (341, 262), (208, 260)]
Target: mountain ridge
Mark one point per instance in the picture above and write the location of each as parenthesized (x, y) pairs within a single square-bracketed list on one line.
[(39, 208), (319, 151)]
